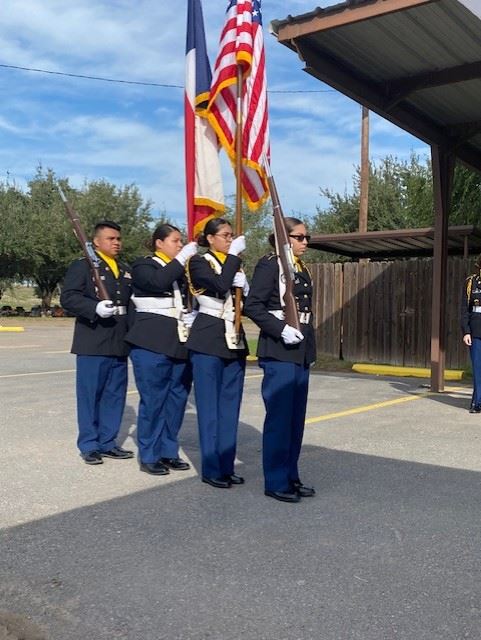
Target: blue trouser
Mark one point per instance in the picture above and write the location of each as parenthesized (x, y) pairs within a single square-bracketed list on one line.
[(101, 392), (284, 390), (475, 352), (164, 385), (218, 386)]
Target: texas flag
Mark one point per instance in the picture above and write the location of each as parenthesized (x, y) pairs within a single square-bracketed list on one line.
[(205, 198)]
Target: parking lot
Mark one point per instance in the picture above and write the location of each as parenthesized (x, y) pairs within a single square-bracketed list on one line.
[(389, 548)]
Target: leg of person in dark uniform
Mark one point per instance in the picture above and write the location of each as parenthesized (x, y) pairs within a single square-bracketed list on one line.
[(475, 352), (180, 385), (229, 408), (298, 420), (208, 372), (278, 392), (152, 376), (90, 383), (112, 401)]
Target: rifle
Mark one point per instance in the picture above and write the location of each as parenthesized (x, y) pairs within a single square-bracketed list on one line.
[(87, 247), (284, 251)]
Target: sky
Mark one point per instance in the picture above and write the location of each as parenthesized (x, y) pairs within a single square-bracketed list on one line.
[(88, 130)]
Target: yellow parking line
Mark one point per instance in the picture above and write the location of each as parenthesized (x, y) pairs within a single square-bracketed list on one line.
[(18, 346), (67, 351), (380, 405), (366, 407), (36, 373)]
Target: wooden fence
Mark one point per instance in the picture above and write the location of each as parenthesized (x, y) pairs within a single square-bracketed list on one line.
[(381, 311)]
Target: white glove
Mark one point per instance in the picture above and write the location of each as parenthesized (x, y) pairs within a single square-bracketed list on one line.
[(291, 335), (105, 309), (240, 281), (237, 246), (186, 252), (188, 318)]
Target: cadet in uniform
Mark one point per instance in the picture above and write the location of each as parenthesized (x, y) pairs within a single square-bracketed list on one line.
[(284, 355), (98, 341), (471, 328), (218, 361), (158, 352)]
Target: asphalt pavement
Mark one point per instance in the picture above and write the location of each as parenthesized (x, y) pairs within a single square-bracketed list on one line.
[(388, 548)]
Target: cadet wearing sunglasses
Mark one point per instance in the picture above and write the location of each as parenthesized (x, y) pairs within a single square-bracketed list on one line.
[(284, 355)]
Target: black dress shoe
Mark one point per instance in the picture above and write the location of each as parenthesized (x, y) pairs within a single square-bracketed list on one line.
[(283, 496), (177, 464), (234, 479), (92, 457), (117, 453), (154, 468), (475, 408), (302, 490), (219, 483)]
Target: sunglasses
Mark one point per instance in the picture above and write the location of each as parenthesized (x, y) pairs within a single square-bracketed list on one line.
[(300, 237)]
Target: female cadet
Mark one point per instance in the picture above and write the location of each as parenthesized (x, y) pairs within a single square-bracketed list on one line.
[(285, 355), (218, 359), (159, 355), (471, 328)]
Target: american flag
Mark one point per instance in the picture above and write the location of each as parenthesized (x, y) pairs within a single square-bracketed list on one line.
[(242, 43), (205, 198)]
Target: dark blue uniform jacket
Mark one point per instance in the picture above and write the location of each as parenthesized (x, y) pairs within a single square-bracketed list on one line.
[(264, 296), (150, 330), (95, 336), (207, 334), (471, 298)]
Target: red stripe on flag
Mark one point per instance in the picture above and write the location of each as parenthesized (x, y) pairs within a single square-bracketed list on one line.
[(242, 43)]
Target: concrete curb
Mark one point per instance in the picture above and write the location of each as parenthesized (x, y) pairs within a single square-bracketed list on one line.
[(414, 372)]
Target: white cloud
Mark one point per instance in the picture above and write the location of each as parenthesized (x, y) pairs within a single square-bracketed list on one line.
[(89, 130)]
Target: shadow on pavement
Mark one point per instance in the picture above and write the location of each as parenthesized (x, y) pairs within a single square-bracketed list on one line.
[(387, 549)]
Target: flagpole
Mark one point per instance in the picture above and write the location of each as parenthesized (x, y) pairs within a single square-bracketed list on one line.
[(238, 176), (238, 153)]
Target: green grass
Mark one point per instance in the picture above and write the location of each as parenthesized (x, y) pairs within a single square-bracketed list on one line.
[(252, 342), (22, 296), (323, 361), (326, 362)]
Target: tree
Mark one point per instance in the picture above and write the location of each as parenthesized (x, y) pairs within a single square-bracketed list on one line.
[(400, 197), (13, 205), (36, 238), (256, 227)]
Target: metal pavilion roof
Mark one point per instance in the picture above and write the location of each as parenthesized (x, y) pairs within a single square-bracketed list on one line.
[(404, 243), (415, 62)]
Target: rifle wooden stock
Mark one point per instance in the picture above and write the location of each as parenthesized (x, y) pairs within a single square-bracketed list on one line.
[(284, 251), (87, 247)]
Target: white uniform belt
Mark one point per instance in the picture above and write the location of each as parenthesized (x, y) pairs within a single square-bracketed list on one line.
[(120, 310), (169, 313), (152, 305), (476, 310), (214, 307), (304, 316)]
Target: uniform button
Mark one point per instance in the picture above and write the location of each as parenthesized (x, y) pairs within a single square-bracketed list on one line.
[(305, 284)]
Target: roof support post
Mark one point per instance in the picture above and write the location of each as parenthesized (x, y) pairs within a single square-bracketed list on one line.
[(443, 171)]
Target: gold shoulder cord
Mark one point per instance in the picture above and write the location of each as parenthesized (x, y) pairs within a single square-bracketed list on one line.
[(193, 291), (304, 268)]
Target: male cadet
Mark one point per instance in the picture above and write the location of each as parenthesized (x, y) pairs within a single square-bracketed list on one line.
[(98, 341)]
